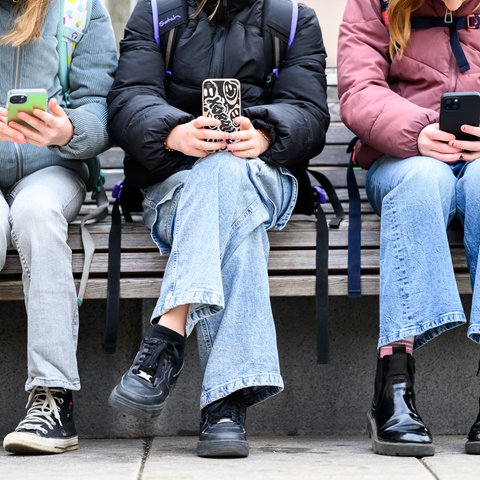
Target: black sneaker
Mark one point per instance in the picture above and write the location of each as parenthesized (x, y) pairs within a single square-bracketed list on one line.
[(145, 387), (48, 426), (222, 428)]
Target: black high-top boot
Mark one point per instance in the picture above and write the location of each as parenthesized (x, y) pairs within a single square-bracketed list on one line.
[(472, 446), (393, 421)]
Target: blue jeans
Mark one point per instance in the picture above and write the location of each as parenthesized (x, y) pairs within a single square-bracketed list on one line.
[(34, 215), (417, 198), (213, 221)]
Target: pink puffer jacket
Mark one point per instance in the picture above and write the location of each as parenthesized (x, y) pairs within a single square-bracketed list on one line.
[(387, 104)]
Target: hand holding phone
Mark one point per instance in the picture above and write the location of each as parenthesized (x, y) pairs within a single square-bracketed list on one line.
[(457, 109), (25, 100), (221, 100)]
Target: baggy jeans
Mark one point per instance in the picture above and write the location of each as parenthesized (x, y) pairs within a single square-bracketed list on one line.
[(213, 221), (417, 198), (35, 214)]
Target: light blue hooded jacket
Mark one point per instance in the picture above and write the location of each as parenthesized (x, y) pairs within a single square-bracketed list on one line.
[(36, 66)]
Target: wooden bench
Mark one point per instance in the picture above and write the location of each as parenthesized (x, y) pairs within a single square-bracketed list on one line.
[(292, 258)]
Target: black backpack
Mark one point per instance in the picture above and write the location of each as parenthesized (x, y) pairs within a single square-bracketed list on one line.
[(280, 21)]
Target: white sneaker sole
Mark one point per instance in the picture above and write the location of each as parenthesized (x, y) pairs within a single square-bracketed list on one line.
[(28, 443)]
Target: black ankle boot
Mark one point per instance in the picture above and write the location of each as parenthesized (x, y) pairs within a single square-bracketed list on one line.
[(472, 446), (394, 424)]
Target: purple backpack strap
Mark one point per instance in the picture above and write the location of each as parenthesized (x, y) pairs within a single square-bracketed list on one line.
[(156, 29)]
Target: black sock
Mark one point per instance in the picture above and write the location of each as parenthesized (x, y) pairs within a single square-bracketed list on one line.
[(159, 331)]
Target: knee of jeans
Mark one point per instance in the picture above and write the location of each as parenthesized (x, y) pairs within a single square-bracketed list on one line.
[(470, 180), (225, 167), (433, 181), (36, 217)]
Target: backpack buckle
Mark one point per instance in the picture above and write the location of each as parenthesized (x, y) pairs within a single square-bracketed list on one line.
[(448, 16), (472, 22), (117, 190), (320, 193)]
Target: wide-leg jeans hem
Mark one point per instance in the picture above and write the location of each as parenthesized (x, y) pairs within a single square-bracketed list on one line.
[(426, 331), (203, 303), (473, 333), (260, 386)]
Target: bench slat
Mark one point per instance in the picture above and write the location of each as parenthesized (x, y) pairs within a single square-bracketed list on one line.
[(292, 256)]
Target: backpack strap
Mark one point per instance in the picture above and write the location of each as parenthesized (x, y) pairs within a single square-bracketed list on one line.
[(470, 22), (354, 227), (74, 20), (321, 259), (127, 199), (279, 26), (453, 23), (167, 15), (383, 10), (113, 274)]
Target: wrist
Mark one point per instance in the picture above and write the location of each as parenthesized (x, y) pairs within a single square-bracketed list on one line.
[(167, 148)]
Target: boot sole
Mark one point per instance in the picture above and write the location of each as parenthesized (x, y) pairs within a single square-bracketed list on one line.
[(223, 449), (398, 449), (135, 409), (29, 443), (472, 448)]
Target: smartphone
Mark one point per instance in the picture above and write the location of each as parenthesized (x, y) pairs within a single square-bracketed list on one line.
[(25, 100), (457, 109), (221, 99)]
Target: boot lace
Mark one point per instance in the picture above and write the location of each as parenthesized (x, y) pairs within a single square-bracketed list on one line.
[(43, 409), (154, 352)]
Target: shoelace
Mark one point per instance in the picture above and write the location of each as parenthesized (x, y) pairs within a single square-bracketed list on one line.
[(154, 351), (43, 403)]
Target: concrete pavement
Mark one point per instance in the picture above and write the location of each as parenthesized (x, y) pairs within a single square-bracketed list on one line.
[(276, 458)]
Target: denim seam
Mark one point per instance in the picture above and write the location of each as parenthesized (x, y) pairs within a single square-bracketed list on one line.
[(399, 255)]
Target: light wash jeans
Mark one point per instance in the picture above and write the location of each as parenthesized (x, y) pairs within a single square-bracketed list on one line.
[(213, 221), (417, 197), (35, 214)]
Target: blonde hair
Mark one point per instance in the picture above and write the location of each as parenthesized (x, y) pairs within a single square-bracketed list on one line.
[(30, 15), (399, 13)]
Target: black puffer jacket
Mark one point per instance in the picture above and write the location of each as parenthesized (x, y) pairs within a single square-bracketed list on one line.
[(144, 107)]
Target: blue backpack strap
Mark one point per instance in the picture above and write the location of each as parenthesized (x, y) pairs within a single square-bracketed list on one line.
[(470, 22), (354, 227)]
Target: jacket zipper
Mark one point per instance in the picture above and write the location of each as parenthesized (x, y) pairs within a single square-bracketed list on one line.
[(217, 55), (219, 43)]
